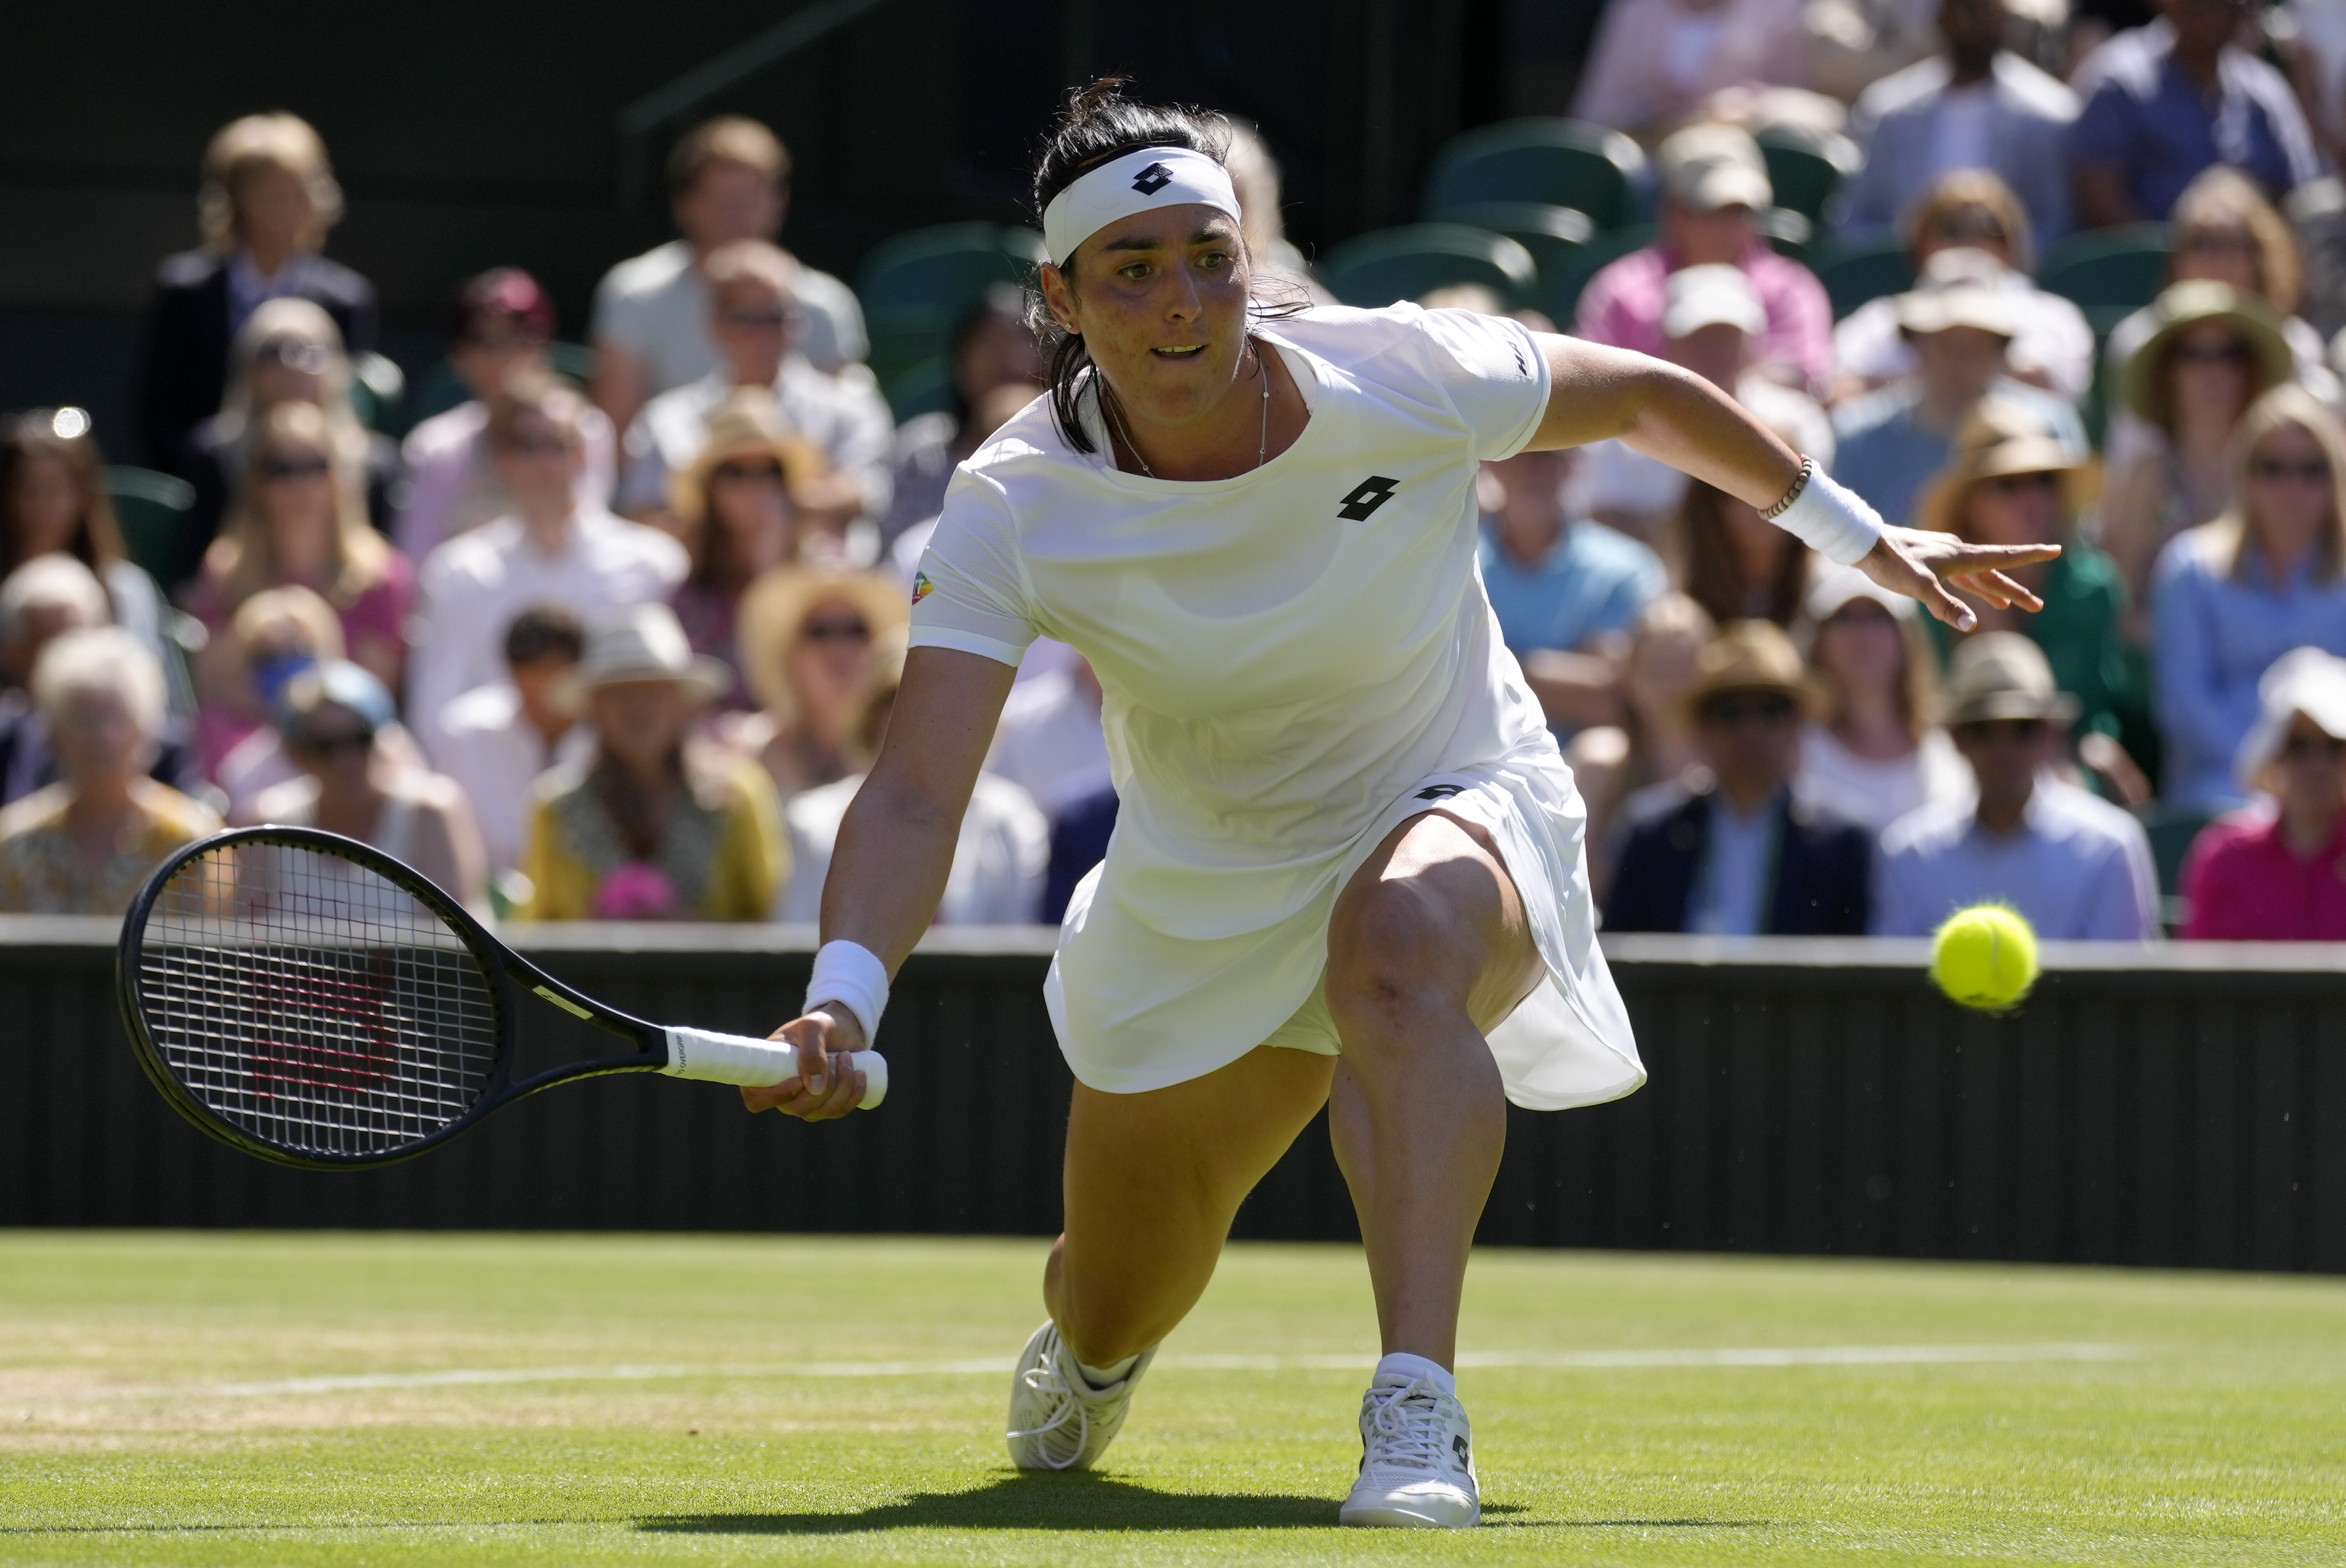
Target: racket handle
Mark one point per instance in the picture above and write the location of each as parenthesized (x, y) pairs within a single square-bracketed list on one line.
[(715, 1058)]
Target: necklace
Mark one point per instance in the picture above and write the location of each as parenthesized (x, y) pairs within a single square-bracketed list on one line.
[(1262, 438)]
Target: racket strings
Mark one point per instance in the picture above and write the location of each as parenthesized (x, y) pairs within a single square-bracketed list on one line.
[(314, 1003)]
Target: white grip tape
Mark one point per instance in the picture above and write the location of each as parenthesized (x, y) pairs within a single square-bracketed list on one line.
[(714, 1058), (1831, 519)]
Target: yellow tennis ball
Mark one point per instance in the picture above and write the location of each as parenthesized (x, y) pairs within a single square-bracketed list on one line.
[(1984, 957)]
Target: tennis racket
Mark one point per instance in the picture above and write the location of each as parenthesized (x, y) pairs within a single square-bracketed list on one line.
[(310, 1000)]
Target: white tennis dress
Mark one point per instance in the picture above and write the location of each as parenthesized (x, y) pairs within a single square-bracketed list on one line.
[(1294, 661)]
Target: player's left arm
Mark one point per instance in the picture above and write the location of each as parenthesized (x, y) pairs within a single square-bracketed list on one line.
[(1599, 393)]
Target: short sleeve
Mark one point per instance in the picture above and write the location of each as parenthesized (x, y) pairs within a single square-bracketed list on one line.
[(2103, 133), (1494, 373), (970, 593), (620, 318)]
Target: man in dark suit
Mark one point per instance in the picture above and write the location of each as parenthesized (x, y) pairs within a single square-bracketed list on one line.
[(268, 198), (1731, 852)]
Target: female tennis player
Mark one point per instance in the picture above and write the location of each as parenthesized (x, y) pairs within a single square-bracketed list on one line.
[(1348, 867)]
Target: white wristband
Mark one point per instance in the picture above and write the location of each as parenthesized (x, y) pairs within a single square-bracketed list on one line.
[(851, 976), (1831, 519)]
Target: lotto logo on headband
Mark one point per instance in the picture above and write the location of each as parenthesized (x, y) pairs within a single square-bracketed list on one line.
[(1147, 179), (1153, 179)]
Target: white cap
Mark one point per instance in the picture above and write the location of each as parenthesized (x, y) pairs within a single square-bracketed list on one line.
[(2304, 680), (1707, 166), (1709, 296)]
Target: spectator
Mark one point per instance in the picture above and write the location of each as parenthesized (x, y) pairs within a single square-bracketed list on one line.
[(993, 349), (1079, 840), (1713, 184), (1855, 44), (654, 824), (266, 203), (2077, 868), (496, 739), (1970, 229), (1893, 440), (1873, 750), (276, 636), (333, 720), (737, 509), (503, 323), (1733, 851), (1978, 107), (86, 844), (1272, 259), (999, 860), (2165, 101), (300, 523), (2230, 597), (1736, 563), (2277, 870), (550, 550), (43, 600), (729, 180), (1050, 742), (1656, 742), (843, 417), (1655, 61), (52, 501), (805, 636), (1563, 589), (2213, 353)]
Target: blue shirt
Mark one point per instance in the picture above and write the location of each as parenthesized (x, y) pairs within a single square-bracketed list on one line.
[(1887, 458), (1594, 581), (2213, 635), (2154, 125), (2077, 868), (1738, 867)]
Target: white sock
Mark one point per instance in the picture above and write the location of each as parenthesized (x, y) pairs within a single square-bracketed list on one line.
[(1106, 1376), (1405, 1366)]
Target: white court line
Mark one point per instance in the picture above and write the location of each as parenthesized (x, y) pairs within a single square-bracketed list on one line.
[(1594, 1360)]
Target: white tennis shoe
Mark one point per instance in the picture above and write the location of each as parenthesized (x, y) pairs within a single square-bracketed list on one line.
[(1058, 1420), (1417, 1456)]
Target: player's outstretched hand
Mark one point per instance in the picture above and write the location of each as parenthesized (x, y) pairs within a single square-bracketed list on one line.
[(826, 1085), (1926, 567)]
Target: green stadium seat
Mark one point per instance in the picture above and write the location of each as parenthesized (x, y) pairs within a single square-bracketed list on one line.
[(379, 392), (916, 288), (1391, 264), (1553, 235), (2110, 273), (1854, 277), (1560, 299), (152, 509), (1554, 162), (1806, 166)]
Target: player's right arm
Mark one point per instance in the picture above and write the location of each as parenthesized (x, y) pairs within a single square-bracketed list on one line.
[(894, 850)]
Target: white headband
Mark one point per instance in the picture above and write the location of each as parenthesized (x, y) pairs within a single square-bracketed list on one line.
[(1139, 181)]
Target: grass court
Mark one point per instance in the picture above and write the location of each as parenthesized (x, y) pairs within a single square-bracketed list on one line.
[(334, 1399)]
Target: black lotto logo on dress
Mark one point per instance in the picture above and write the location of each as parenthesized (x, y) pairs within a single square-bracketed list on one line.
[(1152, 179), (1367, 496)]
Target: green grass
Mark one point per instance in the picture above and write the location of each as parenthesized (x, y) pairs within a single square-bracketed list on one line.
[(138, 1423)]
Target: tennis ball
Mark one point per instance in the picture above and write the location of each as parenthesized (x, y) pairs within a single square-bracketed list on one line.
[(1984, 957)]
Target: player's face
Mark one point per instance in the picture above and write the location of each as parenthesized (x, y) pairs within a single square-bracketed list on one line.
[(1161, 299)]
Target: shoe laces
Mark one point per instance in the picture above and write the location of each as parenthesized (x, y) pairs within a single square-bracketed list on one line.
[(1048, 1380), (1404, 1426)]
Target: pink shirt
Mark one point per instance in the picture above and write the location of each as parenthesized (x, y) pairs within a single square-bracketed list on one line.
[(2244, 884), (1622, 306)]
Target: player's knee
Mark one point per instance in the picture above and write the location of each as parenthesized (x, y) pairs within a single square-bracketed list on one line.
[(1395, 962)]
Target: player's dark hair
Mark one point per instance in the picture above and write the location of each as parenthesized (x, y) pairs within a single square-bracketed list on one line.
[(1100, 125), (544, 631)]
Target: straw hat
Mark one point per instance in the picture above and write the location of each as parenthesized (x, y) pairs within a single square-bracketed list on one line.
[(775, 606), (2306, 680), (748, 424), (1748, 655), (2188, 305), (645, 643), (2003, 435), (1961, 287), (2003, 674)]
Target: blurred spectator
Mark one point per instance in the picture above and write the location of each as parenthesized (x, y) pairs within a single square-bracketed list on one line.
[(735, 508), (1713, 183), (1732, 850), (1656, 742), (1563, 589), (332, 720), (729, 180), (86, 844), (2212, 354), (287, 351), (1655, 61), (993, 349), (998, 862), (805, 636), (276, 636), (41, 601), (2230, 597), (1855, 44), (504, 321), (1050, 743), (266, 203), (1736, 563), (1893, 440), (843, 417), (52, 501), (1873, 750), (1271, 257), (496, 739), (654, 824), (2277, 870), (550, 550), (1969, 230), (2076, 868), (1079, 840), (1977, 107), (2165, 101)]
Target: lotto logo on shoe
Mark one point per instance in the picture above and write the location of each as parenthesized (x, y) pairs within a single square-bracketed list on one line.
[(1367, 496), (1458, 1447), (1152, 179)]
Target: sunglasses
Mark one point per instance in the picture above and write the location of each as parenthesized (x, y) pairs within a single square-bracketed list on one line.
[(836, 630), (334, 745), (1750, 707), (535, 446), (2232, 353), (2312, 471), (283, 468), (1986, 730), (738, 471), (2021, 484), (311, 359), (757, 321), (2325, 747)]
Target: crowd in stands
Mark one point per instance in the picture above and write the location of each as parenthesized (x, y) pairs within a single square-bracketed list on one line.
[(622, 646)]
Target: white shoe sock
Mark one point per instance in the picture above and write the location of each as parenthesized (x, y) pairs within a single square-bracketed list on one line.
[(1403, 1365), (1106, 1376)]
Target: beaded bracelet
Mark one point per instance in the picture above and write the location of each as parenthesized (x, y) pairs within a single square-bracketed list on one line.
[(1808, 466)]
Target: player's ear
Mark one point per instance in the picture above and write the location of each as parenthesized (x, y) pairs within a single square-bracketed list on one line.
[(1059, 296)]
